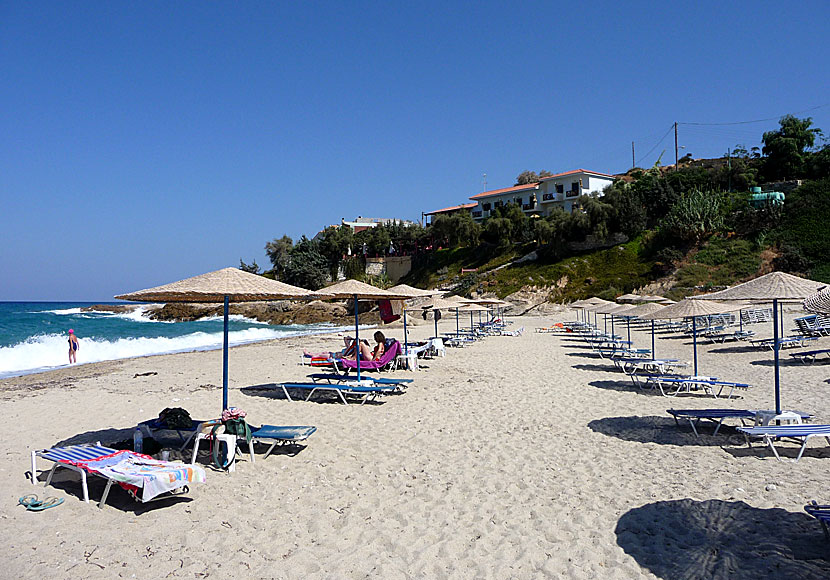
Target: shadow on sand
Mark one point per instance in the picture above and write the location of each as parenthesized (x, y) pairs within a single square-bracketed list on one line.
[(664, 431), (718, 539), (274, 391)]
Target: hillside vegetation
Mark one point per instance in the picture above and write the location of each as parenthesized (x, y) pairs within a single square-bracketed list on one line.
[(685, 229)]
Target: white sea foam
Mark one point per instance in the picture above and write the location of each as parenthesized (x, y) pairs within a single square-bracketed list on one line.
[(50, 351), (64, 311)]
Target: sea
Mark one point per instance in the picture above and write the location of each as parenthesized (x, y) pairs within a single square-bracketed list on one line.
[(34, 335)]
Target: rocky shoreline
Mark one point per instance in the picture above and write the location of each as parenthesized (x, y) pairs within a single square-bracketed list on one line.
[(279, 312)]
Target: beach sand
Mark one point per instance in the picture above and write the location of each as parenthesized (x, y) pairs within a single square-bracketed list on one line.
[(516, 457)]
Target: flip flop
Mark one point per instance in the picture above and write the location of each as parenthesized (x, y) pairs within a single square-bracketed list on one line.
[(33, 504)]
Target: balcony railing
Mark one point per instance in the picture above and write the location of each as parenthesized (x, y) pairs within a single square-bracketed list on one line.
[(529, 206), (476, 214), (548, 196)]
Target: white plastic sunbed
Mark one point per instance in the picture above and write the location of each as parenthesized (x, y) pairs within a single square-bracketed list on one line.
[(798, 433)]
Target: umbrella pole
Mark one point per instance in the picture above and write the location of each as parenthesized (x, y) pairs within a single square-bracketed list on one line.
[(605, 323), (612, 325), (775, 346), (653, 355), (356, 338), (225, 358), (471, 323), (628, 324), (457, 331), (405, 342), (435, 320), (694, 339), (741, 320)]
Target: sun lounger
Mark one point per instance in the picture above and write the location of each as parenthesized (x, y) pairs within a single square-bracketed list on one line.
[(272, 435), (821, 513), (726, 336), (368, 390), (786, 342), (517, 332), (709, 385), (142, 476), (809, 356), (799, 433), (331, 378), (718, 416)]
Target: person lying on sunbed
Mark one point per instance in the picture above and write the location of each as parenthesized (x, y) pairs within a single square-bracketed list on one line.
[(366, 353), (346, 352)]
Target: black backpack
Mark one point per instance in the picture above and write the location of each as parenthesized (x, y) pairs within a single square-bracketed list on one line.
[(175, 418)]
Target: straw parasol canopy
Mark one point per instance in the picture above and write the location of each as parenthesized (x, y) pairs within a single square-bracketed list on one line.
[(651, 298), (773, 286), (610, 307), (239, 286), (628, 297), (226, 285), (690, 308), (411, 292), (598, 303), (643, 309), (819, 302), (472, 308), (361, 290)]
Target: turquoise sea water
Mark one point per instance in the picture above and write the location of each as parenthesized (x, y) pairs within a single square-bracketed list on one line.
[(33, 335)]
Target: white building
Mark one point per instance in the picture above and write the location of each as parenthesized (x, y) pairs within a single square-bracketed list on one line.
[(560, 190)]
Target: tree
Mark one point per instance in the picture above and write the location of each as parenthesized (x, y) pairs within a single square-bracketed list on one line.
[(786, 149), (278, 251), (334, 243), (527, 177), (251, 268), (695, 216), (306, 267)]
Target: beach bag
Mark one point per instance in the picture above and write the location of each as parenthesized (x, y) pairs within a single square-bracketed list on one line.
[(175, 418), (233, 420)]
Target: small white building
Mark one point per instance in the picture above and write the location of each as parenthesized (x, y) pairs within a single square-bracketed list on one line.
[(525, 196), (560, 190)]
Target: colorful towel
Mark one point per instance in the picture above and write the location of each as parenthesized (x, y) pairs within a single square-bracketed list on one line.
[(135, 471)]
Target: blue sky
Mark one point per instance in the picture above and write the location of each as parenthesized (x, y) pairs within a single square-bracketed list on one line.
[(146, 142)]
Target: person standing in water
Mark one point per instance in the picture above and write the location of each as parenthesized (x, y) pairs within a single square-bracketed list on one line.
[(73, 346)]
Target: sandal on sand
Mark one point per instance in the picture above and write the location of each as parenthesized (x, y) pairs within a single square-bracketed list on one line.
[(33, 504)]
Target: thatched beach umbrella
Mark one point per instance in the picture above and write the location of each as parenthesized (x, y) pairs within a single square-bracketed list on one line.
[(690, 308), (818, 303), (436, 304), (355, 290), (629, 297), (642, 310), (412, 292), (226, 285), (471, 308), (774, 287)]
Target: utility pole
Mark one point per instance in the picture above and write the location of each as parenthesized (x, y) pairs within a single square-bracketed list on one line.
[(675, 145), (729, 167), (633, 162)]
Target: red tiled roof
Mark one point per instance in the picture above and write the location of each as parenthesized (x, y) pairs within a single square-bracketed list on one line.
[(506, 190), (453, 208), (574, 171)]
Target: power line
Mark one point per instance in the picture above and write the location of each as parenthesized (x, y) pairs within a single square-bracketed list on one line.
[(760, 120), (663, 138)]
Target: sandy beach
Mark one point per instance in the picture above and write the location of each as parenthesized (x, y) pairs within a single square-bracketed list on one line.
[(516, 457)]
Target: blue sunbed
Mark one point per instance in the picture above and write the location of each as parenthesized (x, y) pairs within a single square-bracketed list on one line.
[(809, 356), (821, 513), (334, 377), (717, 416), (800, 433), (369, 392)]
